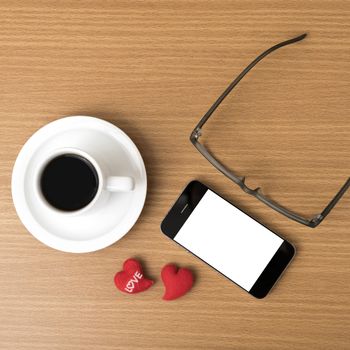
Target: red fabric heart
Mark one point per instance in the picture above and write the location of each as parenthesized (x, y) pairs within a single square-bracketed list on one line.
[(131, 279), (177, 282)]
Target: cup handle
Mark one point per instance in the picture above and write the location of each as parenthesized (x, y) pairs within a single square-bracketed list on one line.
[(120, 184)]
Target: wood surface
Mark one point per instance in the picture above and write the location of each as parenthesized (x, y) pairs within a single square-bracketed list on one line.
[(153, 68)]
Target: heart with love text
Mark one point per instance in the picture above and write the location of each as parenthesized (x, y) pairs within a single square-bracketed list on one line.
[(131, 279)]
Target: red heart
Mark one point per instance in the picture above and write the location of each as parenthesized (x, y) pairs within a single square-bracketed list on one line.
[(131, 280), (177, 282)]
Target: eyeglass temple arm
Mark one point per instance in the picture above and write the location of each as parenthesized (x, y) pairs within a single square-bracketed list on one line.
[(241, 75)]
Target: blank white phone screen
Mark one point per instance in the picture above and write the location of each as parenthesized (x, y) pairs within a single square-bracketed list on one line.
[(228, 240)]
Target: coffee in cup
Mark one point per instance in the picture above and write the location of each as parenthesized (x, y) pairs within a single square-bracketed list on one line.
[(71, 180)]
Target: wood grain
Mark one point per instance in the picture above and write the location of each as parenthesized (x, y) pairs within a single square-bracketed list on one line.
[(153, 68)]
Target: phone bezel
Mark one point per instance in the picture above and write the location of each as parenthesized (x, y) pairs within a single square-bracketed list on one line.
[(181, 211)]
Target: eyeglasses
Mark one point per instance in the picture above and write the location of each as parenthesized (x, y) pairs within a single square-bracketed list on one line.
[(240, 181)]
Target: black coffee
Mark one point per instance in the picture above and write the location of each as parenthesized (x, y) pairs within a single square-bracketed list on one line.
[(69, 182)]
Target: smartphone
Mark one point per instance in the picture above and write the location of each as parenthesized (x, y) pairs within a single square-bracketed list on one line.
[(227, 239)]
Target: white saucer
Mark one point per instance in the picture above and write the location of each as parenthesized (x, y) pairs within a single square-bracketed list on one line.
[(86, 232)]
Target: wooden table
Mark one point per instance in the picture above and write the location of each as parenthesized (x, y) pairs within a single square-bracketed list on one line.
[(153, 68)]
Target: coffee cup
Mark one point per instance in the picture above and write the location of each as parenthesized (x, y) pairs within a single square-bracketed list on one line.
[(71, 181)]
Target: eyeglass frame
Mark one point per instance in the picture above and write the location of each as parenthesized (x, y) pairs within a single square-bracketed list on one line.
[(240, 180)]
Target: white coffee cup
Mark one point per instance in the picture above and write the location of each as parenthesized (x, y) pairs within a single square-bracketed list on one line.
[(107, 182)]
